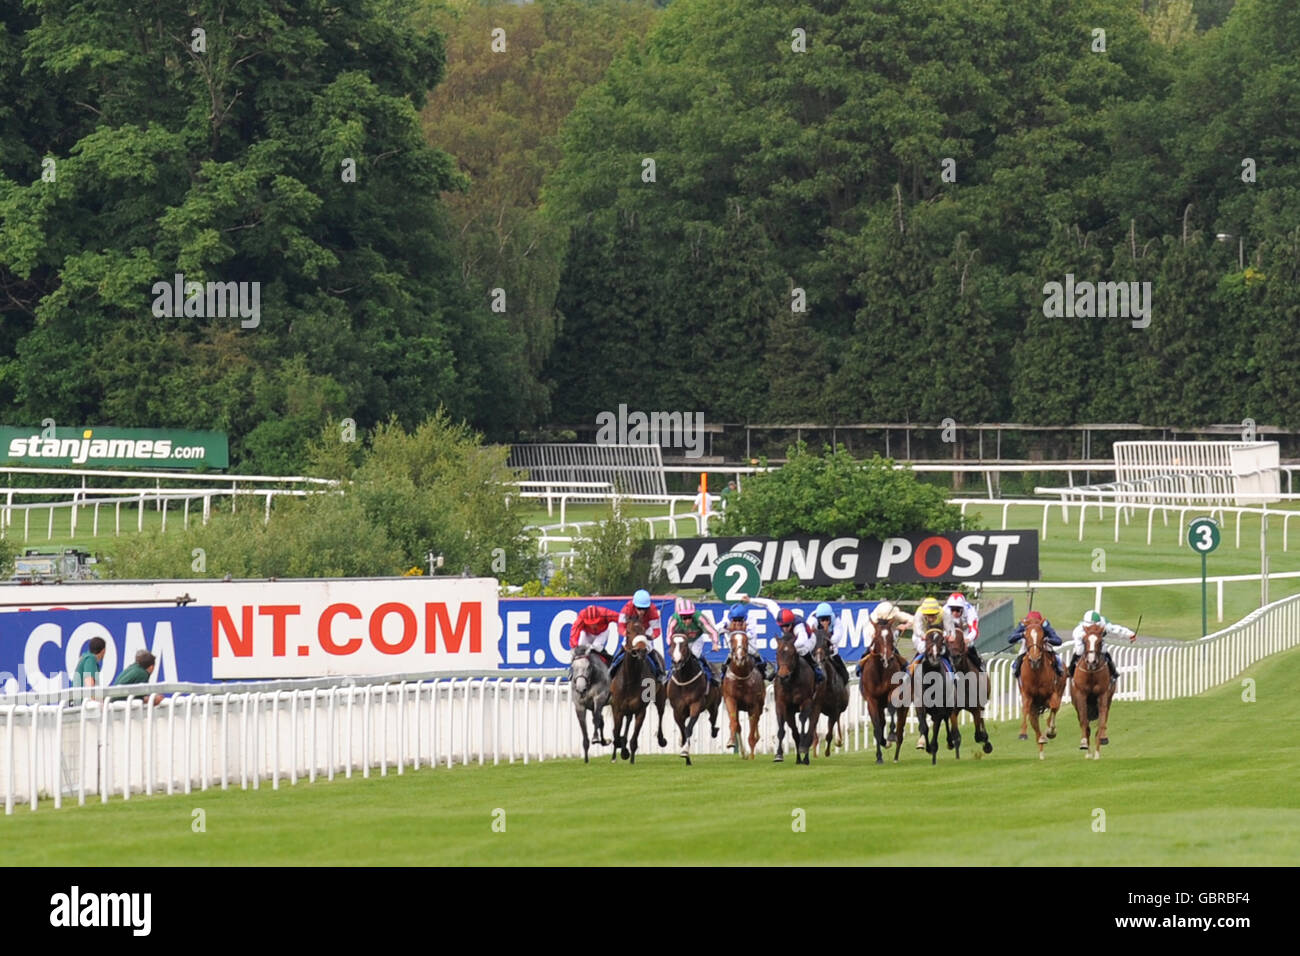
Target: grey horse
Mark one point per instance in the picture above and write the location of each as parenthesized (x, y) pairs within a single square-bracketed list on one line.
[(589, 678)]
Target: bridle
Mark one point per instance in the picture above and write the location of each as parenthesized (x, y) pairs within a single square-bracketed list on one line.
[(679, 643)]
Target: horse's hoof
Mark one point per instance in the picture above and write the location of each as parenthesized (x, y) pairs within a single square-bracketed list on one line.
[(684, 752), (1024, 736), (1041, 755), (663, 741), (988, 747), (778, 759), (879, 759), (1105, 741), (1041, 741), (688, 761), (624, 753), (1051, 735), (1083, 744)]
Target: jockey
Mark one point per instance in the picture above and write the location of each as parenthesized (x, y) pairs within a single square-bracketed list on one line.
[(961, 618), (1054, 639), (928, 615), (591, 629), (696, 626), (899, 620), (820, 624), (1110, 630), (641, 609), (791, 624)]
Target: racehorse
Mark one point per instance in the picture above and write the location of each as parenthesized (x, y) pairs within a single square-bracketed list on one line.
[(972, 690), (876, 681), (589, 680), (798, 700), (632, 689), (1041, 687), (689, 693), (1091, 692), (935, 704), (835, 693), (743, 688)]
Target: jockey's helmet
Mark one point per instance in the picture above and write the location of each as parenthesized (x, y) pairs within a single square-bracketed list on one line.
[(685, 607), (641, 598)]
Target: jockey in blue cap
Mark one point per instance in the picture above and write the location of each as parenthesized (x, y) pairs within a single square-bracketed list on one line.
[(738, 620), (642, 610)]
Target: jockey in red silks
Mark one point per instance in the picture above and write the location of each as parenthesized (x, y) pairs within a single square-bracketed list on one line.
[(591, 629)]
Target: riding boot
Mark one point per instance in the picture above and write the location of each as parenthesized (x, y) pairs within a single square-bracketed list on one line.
[(841, 668), (760, 664), (657, 665), (1015, 668), (615, 663), (1114, 671), (1056, 662), (1074, 660), (817, 671), (974, 655)]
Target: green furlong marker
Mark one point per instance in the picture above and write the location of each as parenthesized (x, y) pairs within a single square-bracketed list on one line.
[(1203, 537)]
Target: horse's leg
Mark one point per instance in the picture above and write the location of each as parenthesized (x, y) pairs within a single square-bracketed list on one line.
[(1080, 701), (618, 734), (1103, 734), (598, 722), (754, 716), (1025, 705), (636, 734), (581, 711), (900, 718), (1032, 711), (733, 719), (982, 731), (659, 703)]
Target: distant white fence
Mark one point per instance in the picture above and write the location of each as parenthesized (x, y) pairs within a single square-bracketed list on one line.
[(102, 491), (269, 734)]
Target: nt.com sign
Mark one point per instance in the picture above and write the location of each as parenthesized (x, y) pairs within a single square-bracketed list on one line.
[(326, 628)]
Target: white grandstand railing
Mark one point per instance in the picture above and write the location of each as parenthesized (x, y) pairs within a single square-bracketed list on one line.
[(225, 735), (1124, 510)]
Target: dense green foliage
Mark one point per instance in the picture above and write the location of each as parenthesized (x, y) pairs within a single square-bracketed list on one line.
[(436, 488), (835, 494), (789, 167)]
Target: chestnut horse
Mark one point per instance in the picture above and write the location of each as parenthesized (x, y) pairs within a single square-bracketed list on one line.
[(690, 694), (1041, 687), (630, 692), (935, 704), (972, 686), (743, 688), (877, 678), (1091, 691), (798, 700)]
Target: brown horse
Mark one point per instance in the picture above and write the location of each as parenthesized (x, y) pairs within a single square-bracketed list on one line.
[(877, 678), (690, 694), (972, 686), (743, 688), (937, 696), (798, 700), (1091, 691), (1041, 687), (631, 691), (835, 694)]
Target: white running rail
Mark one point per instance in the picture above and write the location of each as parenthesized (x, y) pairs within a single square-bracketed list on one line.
[(282, 732)]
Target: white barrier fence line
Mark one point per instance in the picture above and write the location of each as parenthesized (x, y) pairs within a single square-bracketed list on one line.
[(276, 733)]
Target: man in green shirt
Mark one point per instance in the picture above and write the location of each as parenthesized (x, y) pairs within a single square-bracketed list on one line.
[(139, 673), (86, 673)]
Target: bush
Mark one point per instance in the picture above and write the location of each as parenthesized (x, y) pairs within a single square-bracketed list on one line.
[(612, 558)]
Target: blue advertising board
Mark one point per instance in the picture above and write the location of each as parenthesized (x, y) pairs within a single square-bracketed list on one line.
[(39, 649), (535, 631)]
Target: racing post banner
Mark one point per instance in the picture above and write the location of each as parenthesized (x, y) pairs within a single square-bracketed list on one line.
[(983, 556), (95, 447), (260, 629)]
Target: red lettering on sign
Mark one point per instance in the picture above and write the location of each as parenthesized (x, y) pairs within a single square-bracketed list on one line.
[(377, 628), (241, 645), (323, 629), (437, 619), (277, 613), (926, 569)]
